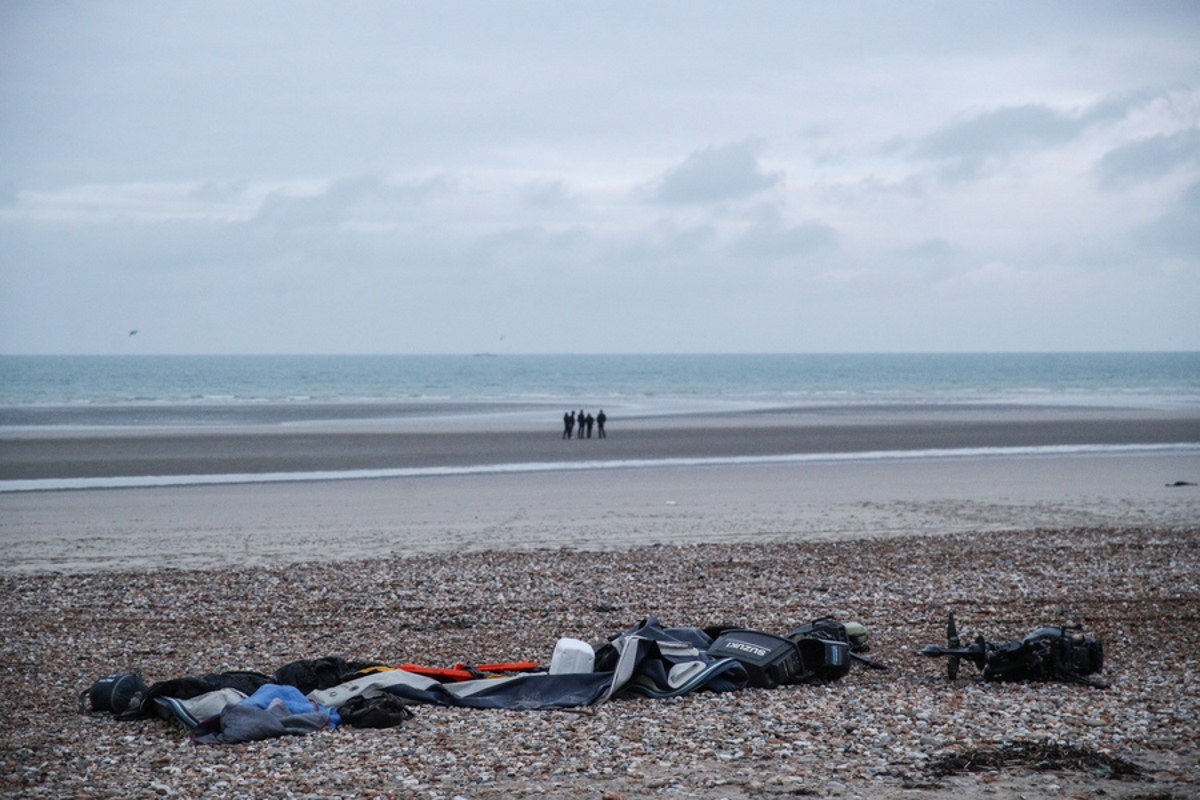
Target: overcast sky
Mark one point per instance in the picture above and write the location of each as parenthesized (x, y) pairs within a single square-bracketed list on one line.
[(524, 177)]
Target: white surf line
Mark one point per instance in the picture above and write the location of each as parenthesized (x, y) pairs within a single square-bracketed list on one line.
[(143, 481)]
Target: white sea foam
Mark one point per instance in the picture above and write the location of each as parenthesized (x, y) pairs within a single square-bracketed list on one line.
[(147, 481)]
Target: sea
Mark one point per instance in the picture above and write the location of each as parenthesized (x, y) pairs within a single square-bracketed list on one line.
[(42, 393), (84, 390)]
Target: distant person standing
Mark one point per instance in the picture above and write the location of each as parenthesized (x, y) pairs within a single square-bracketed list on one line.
[(579, 419), (600, 418), (568, 424), (590, 421)]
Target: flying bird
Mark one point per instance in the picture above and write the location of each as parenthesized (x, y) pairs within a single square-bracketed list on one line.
[(133, 333)]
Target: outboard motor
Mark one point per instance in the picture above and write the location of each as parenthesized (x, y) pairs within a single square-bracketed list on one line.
[(1050, 653)]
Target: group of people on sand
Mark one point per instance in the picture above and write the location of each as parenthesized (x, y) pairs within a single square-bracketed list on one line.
[(584, 421)]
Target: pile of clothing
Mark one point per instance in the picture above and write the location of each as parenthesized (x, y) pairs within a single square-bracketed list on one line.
[(311, 695)]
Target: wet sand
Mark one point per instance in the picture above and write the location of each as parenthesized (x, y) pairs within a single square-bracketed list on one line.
[(593, 509), (439, 441)]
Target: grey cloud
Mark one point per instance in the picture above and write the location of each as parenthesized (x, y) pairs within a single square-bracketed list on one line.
[(1148, 159), (966, 147), (548, 194), (1001, 131), (133, 248), (1116, 107), (936, 249), (663, 244), (713, 175), (289, 211), (218, 191), (771, 238), (341, 198), (1177, 231), (515, 245), (926, 262)]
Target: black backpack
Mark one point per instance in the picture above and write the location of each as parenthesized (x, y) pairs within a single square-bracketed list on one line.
[(853, 636), (381, 711), (116, 692), (829, 629)]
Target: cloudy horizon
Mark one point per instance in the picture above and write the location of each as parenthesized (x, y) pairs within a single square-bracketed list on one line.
[(537, 177)]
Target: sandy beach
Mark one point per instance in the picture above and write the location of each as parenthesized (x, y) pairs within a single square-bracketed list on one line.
[(655, 480), (272, 439), (282, 523), (438, 569)]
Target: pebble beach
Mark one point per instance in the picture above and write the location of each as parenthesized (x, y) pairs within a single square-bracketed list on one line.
[(871, 734)]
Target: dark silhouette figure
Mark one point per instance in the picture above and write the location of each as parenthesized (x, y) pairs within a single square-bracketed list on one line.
[(568, 424), (600, 418), (580, 418), (590, 421)]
